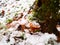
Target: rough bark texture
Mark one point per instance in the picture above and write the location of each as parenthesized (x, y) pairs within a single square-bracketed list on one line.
[(46, 12)]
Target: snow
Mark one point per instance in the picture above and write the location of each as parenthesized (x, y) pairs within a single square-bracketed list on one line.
[(58, 29), (23, 21), (11, 8)]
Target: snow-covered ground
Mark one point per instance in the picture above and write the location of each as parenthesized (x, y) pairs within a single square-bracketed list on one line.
[(9, 34), (23, 38)]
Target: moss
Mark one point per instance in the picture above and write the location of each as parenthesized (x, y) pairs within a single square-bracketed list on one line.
[(9, 20)]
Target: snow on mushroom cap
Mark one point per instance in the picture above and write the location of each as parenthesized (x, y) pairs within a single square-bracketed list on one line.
[(23, 21)]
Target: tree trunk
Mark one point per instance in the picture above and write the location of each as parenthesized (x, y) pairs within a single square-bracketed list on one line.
[(50, 27)]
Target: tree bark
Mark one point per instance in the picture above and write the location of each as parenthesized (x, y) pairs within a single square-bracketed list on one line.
[(50, 27)]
